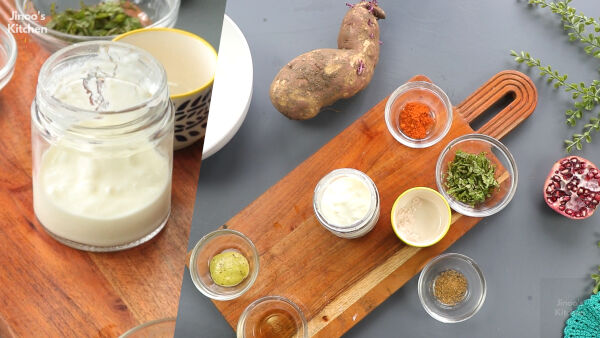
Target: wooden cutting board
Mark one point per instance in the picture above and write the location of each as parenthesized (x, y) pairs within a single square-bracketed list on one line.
[(50, 290), (337, 282)]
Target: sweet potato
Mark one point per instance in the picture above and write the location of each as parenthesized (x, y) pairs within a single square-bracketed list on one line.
[(319, 78)]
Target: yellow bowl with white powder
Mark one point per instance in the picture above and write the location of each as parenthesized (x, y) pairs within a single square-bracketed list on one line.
[(421, 217)]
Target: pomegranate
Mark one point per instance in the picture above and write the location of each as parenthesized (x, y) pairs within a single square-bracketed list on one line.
[(573, 187)]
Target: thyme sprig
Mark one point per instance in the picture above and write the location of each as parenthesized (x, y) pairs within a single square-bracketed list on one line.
[(575, 24), (589, 96), (577, 139), (586, 98)]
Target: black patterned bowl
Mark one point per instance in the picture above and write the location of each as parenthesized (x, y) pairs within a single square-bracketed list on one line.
[(191, 115)]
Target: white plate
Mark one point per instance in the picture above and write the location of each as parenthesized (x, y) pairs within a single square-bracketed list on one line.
[(232, 90)]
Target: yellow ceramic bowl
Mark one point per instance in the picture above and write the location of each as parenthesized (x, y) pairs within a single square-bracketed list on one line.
[(421, 217), (190, 63)]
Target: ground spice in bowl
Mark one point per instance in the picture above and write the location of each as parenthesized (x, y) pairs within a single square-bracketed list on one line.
[(416, 120), (450, 287)]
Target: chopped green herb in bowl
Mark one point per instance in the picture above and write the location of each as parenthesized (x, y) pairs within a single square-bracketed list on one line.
[(104, 19), (470, 178), (477, 174), (55, 24)]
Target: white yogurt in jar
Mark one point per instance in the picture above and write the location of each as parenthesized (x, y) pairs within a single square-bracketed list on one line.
[(346, 202), (104, 182), (100, 200)]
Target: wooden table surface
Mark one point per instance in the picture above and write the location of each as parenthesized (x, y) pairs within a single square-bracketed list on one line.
[(48, 289)]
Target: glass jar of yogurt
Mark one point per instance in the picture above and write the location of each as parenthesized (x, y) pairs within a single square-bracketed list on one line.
[(102, 146), (346, 202)]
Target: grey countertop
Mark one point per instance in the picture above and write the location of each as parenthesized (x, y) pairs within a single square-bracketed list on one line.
[(202, 17), (537, 263)]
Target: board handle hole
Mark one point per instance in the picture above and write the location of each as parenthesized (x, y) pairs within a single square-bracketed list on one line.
[(493, 110)]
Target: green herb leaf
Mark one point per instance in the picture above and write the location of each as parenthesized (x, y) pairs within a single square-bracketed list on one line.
[(471, 178), (596, 279), (106, 18)]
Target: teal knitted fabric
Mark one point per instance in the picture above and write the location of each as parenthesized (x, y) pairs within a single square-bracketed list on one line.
[(585, 320)]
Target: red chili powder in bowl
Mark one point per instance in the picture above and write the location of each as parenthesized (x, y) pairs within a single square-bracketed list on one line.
[(416, 120)]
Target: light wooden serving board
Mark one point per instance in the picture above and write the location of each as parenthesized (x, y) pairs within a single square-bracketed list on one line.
[(50, 290), (337, 282)]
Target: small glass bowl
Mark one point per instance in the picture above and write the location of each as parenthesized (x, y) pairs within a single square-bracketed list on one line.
[(423, 92), (8, 55), (212, 244), (360, 227), (272, 316), (506, 173), (160, 328), (476, 288), (35, 14)]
